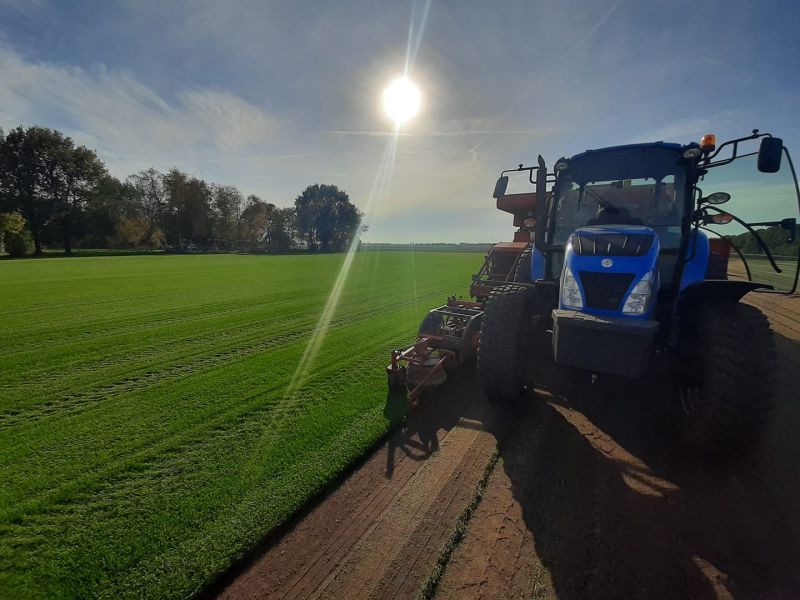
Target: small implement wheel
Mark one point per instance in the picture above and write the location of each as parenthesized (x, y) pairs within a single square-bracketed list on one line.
[(417, 373), (726, 381), (503, 343), (397, 379)]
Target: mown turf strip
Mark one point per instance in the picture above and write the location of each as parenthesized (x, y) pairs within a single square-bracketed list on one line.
[(146, 437), (428, 588)]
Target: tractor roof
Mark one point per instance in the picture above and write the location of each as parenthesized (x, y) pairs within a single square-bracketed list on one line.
[(642, 146), (633, 161)]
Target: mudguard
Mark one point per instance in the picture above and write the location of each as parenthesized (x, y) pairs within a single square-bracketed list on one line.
[(719, 290)]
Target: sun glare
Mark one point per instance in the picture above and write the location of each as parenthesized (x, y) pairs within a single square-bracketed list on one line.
[(401, 100)]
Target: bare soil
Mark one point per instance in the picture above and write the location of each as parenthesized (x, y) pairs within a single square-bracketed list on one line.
[(592, 497), (378, 534)]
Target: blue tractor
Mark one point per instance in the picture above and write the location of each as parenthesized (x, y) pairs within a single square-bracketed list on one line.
[(629, 260)]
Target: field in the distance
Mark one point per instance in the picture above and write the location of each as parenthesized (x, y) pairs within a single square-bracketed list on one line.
[(146, 436)]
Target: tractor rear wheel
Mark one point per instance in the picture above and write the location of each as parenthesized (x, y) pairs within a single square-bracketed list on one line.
[(725, 386), (502, 346)]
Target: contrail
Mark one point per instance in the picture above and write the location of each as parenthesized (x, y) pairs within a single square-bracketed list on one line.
[(543, 75)]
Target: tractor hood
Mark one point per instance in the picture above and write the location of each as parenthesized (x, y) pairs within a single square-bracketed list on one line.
[(613, 240), (611, 270)]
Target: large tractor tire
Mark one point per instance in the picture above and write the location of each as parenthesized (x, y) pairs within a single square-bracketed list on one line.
[(502, 347), (522, 274), (726, 378)]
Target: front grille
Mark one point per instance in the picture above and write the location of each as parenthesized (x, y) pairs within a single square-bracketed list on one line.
[(605, 291), (612, 244)]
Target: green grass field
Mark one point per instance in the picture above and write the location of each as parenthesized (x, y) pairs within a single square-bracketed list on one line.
[(761, 271), (146, 436)]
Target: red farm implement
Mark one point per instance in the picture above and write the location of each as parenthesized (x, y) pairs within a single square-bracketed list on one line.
[(448, 336)]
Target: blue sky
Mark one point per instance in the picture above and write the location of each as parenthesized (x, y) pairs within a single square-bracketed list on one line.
[(273, 96)]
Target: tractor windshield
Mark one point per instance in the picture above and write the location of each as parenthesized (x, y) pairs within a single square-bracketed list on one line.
[(630, 186)]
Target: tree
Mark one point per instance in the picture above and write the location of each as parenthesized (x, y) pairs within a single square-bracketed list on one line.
[(112, 202), (150, 200), (14, 236), (132, 231), (48, 179), (326, 219), (283, 229), (21, 177), (255, 221), (266, 226), (77, 176), (227, 204), (189, 218)]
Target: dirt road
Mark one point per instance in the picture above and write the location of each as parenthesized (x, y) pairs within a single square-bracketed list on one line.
[(591, 497)]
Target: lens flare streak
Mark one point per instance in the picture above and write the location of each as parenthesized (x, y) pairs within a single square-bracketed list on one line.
[(415, 33), (377, 194)]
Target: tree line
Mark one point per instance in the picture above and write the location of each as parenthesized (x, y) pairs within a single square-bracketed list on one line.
[(54, 193), (776, 238)]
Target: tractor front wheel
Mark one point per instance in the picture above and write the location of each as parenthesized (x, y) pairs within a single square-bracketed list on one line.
[(502, 346), (522, 274), (725, 383)]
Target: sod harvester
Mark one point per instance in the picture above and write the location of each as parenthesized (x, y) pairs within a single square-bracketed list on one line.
[(448, 336), (620, 258)]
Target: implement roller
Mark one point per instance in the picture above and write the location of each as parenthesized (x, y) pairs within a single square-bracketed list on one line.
[(448, 338)]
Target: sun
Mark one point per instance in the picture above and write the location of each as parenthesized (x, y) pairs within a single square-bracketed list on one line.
[(401, 100)]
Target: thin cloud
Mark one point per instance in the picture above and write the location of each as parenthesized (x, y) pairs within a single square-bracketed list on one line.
[(686, 129), (123, 118), (362, 133), (267, 158)]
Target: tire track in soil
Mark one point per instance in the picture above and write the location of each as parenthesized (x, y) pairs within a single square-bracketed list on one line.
[(377, 535)]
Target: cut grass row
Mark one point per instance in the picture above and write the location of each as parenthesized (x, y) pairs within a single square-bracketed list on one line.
[(147, 437)]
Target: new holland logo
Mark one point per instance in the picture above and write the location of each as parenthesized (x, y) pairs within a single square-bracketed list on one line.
[(607, 263)]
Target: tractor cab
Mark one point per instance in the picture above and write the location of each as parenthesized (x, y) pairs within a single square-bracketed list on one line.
[(630, 237), (657, 189), (617, 222)]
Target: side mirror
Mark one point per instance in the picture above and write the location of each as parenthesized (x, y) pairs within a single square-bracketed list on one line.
[(500, 187), (716, 198), (769, 155), (718, 219)]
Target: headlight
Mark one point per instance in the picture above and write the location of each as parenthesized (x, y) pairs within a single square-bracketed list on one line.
[(639, 298), (570, 292), (692, 152)]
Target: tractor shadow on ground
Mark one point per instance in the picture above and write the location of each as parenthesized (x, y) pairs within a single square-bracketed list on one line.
[(617, 508), (420, 428)]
